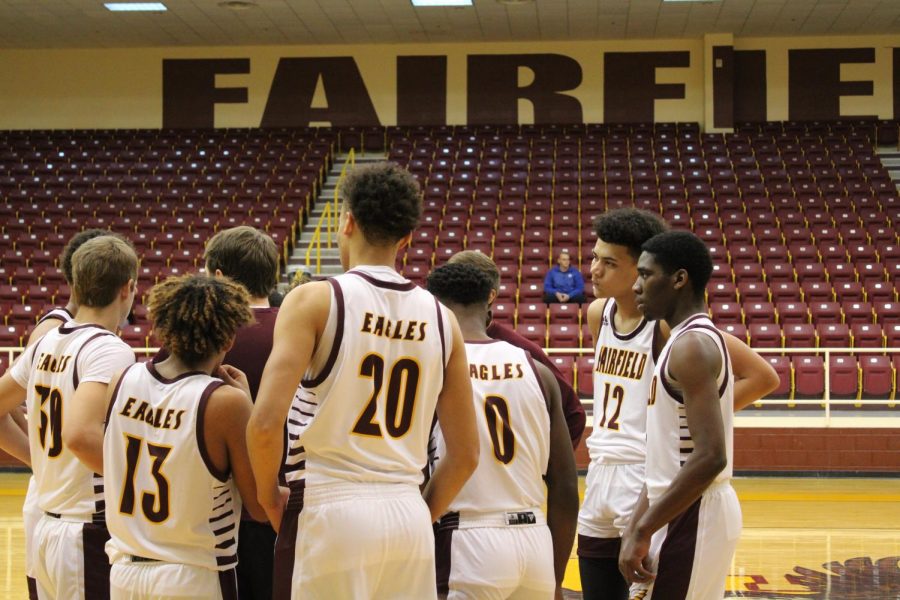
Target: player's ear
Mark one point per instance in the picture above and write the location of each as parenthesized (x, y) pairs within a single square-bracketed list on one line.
[(680, 279), (405, 241), (492, 296), (349, 223)]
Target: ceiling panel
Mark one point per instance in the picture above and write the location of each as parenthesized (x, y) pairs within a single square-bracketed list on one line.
[(85, 23)]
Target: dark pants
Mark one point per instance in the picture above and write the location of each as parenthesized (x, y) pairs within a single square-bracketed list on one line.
[(601, 579), (551, 299), (256, 557)]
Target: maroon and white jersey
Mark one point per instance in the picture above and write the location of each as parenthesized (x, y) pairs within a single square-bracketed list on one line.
[(623, 370), (669, 442), (513, 423), (167, 500), (367, 401), (59, 313), (50, 371)]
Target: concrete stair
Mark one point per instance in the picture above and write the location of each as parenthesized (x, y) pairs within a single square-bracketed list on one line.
[(890, 158), (331, 263)]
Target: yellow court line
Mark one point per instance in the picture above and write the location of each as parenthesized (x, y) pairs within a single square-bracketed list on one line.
[(12, 492), (816, 497)]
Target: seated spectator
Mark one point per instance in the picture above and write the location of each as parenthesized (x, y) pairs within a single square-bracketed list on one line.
[(563, 283)]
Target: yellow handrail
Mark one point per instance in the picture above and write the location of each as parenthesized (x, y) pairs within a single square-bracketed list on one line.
[(330, 216)]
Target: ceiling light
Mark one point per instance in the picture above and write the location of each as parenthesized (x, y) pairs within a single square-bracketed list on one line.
[(702, 1), (515, 2), (237, 4), (136, 6), (442, 2)]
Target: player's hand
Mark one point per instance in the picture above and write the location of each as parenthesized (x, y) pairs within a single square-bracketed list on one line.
[(235, 378), (558, 594), (634, 562), (275, 506)]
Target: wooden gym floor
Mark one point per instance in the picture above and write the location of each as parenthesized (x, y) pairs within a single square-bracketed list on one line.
[(822, 539)]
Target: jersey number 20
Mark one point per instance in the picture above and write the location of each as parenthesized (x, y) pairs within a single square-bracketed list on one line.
[(403, 383)]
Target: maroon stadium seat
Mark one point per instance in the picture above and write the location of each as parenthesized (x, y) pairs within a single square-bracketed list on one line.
[(738, 330), (792, 312), (753, 291), (809, 376), (825, 312), (564, 336), (878, 376), (857, 312), (765, 335), (536, 332), (867, 335), (566, 366), (530, 313), (726, 312), (799, 335), (782, 366), (844, 375), (833, 335), (585, 370), (565, 314)]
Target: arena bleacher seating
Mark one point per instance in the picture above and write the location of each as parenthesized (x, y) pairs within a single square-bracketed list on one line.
[(801, 218)]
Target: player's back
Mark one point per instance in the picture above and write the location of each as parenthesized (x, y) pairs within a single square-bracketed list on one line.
[(513, 423), (167, 499), (372, 387), (57, 364)]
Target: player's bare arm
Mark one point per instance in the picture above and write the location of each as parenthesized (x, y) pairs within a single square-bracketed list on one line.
[(456, 414), (753, 376), (561, 479), (13, 440), (634, 546), (694, 366), (225, 427), (83, 427), (298, 330)]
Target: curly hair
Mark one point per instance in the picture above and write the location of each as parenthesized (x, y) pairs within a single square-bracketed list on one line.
[(629, 227), (385, 200), (247, 255), (196, 316), (674, 250), (480, 261), (74, 244), (460, 283)]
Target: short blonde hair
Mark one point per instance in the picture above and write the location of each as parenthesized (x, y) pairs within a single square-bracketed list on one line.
[(100, 267)]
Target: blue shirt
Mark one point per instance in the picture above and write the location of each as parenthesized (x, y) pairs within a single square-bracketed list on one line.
[(569, 282)]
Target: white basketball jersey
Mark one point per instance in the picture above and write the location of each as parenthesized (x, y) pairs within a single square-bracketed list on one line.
[(367, 401), (623, 371), (166, 499), (58, 313), (50, 372), (669, 442), (513, 423)]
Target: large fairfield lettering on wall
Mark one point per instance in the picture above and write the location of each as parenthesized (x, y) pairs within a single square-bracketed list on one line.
[(748, 84)]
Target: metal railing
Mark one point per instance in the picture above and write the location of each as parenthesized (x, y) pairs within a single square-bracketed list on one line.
[(329, 218)]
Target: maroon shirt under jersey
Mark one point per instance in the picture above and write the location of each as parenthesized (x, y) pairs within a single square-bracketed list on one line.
[(571, 405), (252, 346)]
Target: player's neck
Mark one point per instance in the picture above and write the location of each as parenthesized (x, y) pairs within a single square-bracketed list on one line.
[(173, 366), (108, 317), (626, 308), (375, 256), (259, 302), (472, 325), (685, 309)]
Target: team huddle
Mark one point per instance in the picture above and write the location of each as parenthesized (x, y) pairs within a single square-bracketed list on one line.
[(400, 443)]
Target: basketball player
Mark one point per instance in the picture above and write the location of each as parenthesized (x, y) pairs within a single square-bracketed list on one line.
[(571, 405), (31, 514), (68, 369), (174, 452), (250, 257), (377, 355), (495, 541), (687, 508), (626, 348)]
